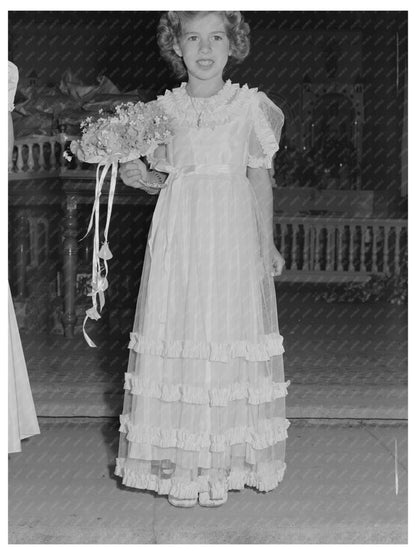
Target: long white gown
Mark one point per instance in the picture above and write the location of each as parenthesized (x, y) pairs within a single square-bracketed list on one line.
[(204, 405), (22, 419)]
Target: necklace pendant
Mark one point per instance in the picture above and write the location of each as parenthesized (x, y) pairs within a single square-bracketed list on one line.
[(198, 123)]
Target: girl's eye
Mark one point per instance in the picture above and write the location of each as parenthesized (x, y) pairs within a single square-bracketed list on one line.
[(192, 37), (217, 37)]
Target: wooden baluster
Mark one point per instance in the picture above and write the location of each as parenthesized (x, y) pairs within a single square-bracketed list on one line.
[(21, 256), (397, 230), (317, 265), (306, 248), (386, 268), (329, 263), (30, 160), (363, 231), (70, 265), (53, 162), (19, 161), (374, 267), (283, 230), (351, 249), (340, 234), (333, 248), (41, 157), (61, 163), (293, 265)]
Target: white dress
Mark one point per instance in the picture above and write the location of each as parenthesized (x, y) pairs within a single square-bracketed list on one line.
[(22, 419), (204, 405)]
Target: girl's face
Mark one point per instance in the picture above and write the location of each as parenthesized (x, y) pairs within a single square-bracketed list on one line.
[(204, 46)]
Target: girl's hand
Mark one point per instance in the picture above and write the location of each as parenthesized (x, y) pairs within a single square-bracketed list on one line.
[(134, 174), (277, 262)]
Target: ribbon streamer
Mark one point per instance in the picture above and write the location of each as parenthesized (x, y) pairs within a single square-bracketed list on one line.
[(99, 282)]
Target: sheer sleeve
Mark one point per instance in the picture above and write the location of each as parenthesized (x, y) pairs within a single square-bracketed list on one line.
[(13, 79), (268, 120)]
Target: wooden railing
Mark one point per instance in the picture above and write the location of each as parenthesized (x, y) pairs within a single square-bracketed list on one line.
[(340, 249), (314, 247), (42, 156)]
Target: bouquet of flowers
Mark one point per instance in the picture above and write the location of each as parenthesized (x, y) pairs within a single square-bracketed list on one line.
[(132, 131)]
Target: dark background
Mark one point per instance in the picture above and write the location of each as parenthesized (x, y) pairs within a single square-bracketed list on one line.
[(287, 47)]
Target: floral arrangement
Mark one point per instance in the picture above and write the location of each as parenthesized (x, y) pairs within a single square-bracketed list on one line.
[(130, 132), (133, 130)]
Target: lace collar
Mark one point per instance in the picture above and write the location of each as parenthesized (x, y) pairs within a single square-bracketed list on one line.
[(216, 109), (225, 92)]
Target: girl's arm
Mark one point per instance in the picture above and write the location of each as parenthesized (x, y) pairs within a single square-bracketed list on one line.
[(262, 184)]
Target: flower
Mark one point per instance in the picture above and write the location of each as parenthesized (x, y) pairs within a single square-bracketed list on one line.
[(132, 131)]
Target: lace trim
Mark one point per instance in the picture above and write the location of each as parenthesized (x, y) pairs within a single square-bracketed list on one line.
[(274, 430), (272, 345), (198, 395), (217, 109), (260, 162), (236, 480)]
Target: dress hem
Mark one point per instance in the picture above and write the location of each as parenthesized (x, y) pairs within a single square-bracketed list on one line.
[(182, 489)]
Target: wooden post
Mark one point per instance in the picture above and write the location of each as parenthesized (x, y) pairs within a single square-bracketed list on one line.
[(70, 261), (22, 249)]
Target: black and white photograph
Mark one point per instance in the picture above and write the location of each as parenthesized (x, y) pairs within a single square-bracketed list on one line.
[(207, 245)]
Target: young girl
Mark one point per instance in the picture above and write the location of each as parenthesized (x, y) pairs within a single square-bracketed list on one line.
[(204, 406)]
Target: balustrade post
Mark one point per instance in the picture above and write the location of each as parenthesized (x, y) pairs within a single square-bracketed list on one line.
[(317, 231), (305, 260), (374, 250), (386, 268), (363, 231), (54, 163), (70, 261), (339, 236), (283, 229), (293, 263), (329, 263), (30, 159), (21, 248), (351, 249), (397, 230), (41, 157), (19, 160)]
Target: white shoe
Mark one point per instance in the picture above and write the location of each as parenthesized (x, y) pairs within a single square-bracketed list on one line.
[(205, 500), (182, 502)]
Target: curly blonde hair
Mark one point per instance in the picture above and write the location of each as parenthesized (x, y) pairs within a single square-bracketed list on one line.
[(170, 29)]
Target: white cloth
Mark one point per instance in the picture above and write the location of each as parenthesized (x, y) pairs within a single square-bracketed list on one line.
[(205, 390), (13, 77), (22, 419)]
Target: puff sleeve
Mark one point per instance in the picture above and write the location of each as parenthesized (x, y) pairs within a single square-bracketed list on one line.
[(267, 123), (12, 79)]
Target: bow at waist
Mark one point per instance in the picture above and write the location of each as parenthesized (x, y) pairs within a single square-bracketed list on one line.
[(197, 169)]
